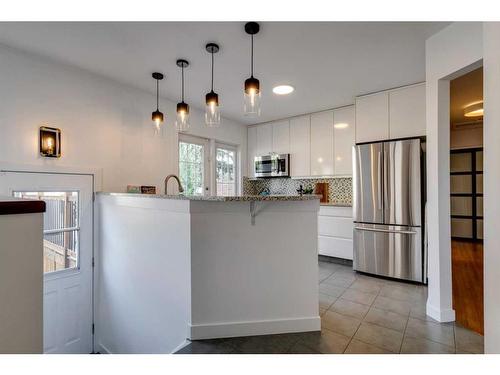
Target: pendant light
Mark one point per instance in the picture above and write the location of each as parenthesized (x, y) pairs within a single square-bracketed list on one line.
[(182, 121), (212, 109), (157, 116), (251, 105)]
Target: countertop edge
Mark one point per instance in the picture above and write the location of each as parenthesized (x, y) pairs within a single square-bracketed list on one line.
[(243, 198)]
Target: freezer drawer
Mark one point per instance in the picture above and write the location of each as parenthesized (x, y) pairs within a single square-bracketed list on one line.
[(387, 250)]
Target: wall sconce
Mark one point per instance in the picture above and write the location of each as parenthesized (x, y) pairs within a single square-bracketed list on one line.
[(50, 142)]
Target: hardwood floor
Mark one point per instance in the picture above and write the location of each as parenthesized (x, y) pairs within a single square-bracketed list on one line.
[(467, 278)]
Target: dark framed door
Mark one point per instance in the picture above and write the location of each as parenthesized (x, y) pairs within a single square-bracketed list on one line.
[(466, 193)]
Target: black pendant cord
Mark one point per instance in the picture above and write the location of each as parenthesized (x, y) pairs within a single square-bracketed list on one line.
[(212, 71), (157, 85), (251, 68), (182, 74)]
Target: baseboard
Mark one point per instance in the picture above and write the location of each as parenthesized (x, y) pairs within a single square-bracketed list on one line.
[(443, 316), (329, 259), (254, 328)]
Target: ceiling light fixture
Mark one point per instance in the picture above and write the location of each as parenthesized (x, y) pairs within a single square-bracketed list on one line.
[(157, 116), (341, 125), (283, 89), (182, 120), (251, 105), (474, 110), (212, 109)]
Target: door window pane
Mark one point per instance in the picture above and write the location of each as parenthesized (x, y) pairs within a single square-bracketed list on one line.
[(461, 184), (479, 183), (479, 228), (191, 170), (461, 206), (225, 171), (61, 228), (479, 205), (461, 228), (479, 161), (461, 162)]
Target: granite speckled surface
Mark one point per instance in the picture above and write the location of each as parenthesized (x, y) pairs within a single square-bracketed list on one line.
[(236, 198)]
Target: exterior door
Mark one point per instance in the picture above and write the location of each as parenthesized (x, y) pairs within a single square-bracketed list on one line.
[(368, 202), (194, 161), (67, 248)]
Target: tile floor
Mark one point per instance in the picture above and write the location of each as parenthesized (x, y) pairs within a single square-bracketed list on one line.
[(359, 315)]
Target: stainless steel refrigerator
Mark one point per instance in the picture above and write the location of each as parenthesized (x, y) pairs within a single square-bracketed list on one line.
[(388, 203)]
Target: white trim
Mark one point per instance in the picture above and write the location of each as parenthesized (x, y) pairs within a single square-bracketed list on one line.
[(443, 316), (255, 328)]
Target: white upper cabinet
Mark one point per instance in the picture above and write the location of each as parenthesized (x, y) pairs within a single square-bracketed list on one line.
[(300, 146), (322, 160), (372, 117), (343, 139), (407, 111), (251, 149), (281, 136), (264, 139)]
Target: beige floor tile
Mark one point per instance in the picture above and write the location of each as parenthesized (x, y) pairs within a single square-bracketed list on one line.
[(387, 319), (400, 293), (413, 345), (367, 286), (325, 301), (468, 341), (389, 304), (437, 332), (326, 342), (359, 347), (345, 325), (349, 308), (385, 338), (343, 281), (331, 290), (359, 297)]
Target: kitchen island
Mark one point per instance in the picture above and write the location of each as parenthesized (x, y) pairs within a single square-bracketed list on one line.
[(172, 268)]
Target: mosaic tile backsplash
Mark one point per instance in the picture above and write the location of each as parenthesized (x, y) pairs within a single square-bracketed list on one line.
[(339, 189)]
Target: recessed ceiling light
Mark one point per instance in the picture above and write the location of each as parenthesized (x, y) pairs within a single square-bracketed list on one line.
[(341, 125), (474, 110), (283, 89)]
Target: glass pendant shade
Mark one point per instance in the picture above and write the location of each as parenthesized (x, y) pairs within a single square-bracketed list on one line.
[(182, 120), (157, 116), (212, 110), (251, 103)]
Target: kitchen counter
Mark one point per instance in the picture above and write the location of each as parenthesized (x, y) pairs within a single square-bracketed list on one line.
[(179, 267), (214, 198), (334, 204)]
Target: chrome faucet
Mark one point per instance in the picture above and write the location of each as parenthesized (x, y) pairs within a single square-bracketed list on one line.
[(181, 189)]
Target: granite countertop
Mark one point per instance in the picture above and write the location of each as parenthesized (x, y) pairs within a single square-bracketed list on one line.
[(336, 204), (236, 198)]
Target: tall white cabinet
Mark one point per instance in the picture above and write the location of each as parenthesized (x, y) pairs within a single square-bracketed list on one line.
[(372, 117), (281, 137), (343, 139), (300, 146), (322, 162)]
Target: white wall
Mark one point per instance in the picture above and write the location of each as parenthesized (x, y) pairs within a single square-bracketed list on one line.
[(491, 186), (451, 52), (466, 138), (104, 124)]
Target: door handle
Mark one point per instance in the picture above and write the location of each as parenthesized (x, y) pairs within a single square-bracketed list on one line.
[(379, 167), (386, 230)]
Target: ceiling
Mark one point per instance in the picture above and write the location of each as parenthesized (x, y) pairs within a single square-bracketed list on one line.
[(328, 63), (465, 90)]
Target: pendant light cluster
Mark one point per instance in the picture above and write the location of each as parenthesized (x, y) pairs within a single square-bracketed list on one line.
[(251, 106)]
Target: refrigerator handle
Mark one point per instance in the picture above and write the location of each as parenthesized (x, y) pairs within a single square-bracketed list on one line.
[(386, 230), (379, 167)]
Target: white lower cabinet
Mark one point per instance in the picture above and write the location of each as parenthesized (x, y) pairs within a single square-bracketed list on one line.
[(335, 227)]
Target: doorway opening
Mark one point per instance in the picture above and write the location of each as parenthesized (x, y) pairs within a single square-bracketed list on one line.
[(466, 198)]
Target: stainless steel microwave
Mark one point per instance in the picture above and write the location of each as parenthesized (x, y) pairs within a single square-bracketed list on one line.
[(273, 165)]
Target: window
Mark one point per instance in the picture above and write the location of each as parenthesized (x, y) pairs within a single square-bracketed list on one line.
[(192, 165), (60, 228), (225, 170)]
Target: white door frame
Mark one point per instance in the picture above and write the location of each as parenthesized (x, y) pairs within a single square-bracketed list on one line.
[(96, 176)]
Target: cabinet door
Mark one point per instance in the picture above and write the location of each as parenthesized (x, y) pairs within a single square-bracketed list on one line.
[(372, 117), (322, 162), (281, 136), (407, 112), (264, 139), (251, 150), (300, 146), (343, 139)]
